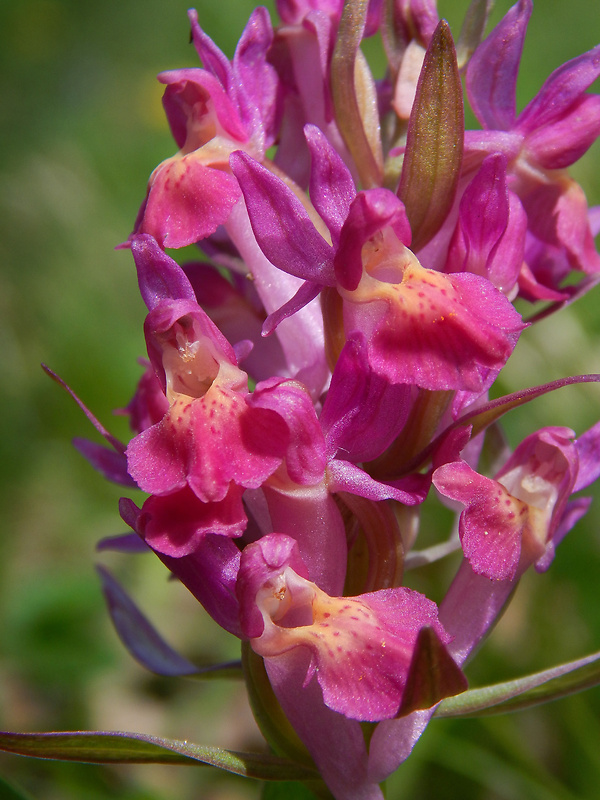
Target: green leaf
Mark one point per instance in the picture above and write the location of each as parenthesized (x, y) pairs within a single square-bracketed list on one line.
[(542, 687), (434, 143), (106, 747)]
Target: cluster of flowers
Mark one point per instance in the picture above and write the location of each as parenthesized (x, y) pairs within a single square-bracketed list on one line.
[(327, 364)]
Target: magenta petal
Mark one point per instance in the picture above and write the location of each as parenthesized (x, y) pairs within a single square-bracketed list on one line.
[(558, 217), (281, 224), (257, 83), (492, 71), (305, 294), (562, 142), (195, 103), (305, 457), (483, 219), (154, 460), (342, 476), (492, 524), (176, 523), (239, 444), (186, 202), (363, 413), (189, 446), (159, 276), (209, 54), (149, 404), (562, 89), (506, 259)]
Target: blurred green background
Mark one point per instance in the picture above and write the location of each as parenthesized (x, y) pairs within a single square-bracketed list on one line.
[(81, 129)]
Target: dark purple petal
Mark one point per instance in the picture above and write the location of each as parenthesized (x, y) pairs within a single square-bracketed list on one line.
[(281, 224), (123, 543), (210, 572), (138, 635), (109, 463)]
